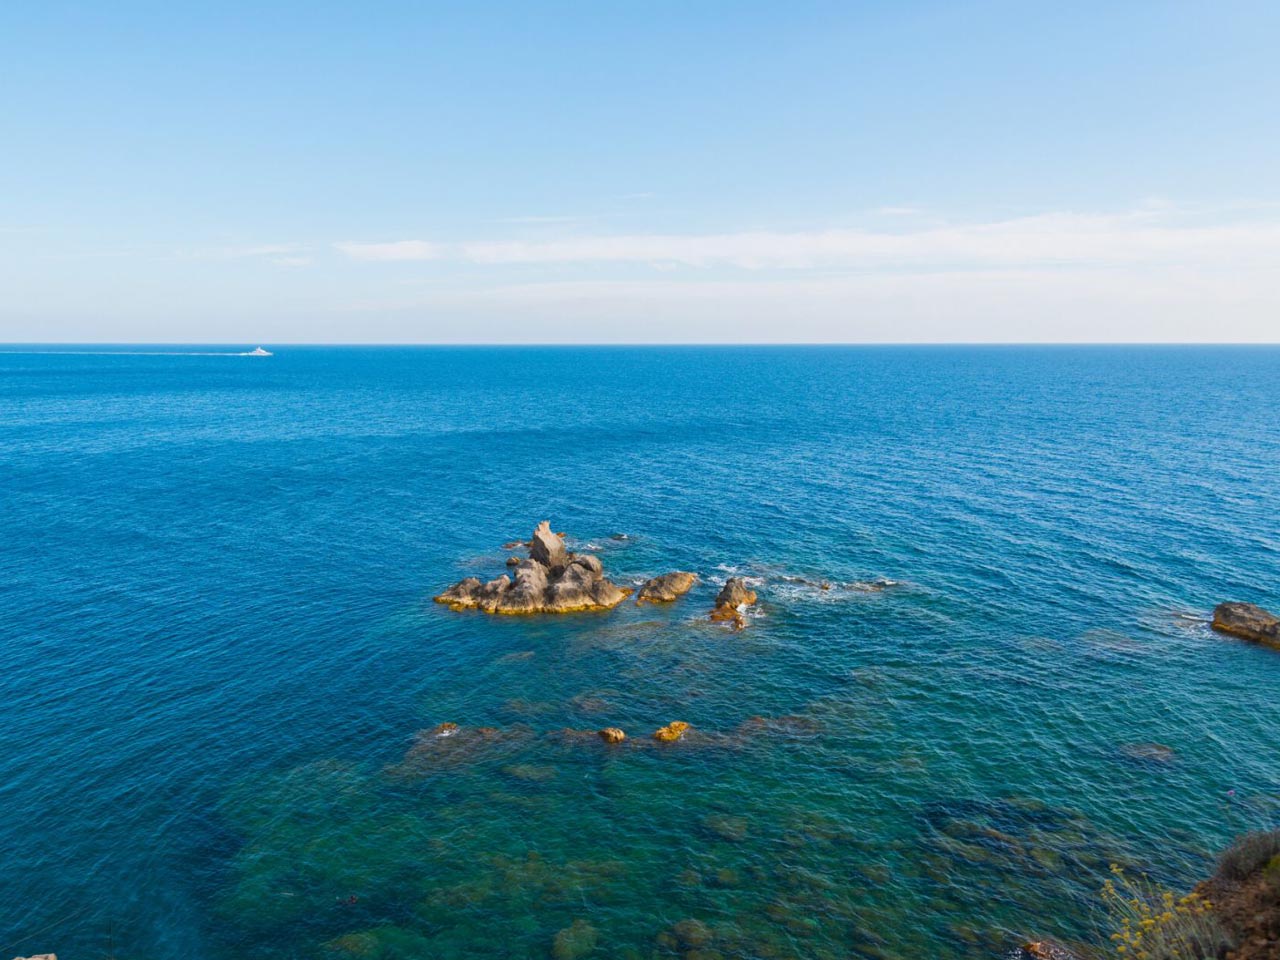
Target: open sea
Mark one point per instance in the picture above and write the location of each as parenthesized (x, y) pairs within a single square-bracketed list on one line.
[(217, 643)]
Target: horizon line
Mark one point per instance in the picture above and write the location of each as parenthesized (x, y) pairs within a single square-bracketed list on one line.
[(636, 343)]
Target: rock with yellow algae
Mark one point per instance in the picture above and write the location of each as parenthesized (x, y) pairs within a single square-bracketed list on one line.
[(1248, 622), (671, 732)]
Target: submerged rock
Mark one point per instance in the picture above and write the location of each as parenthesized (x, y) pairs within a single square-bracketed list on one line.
[(692, 933), (1148, 753), (569, 735), (382, 941), (792, 725), (730, 601), (671, 732), (726, 827), (667, 587), (592, 702), (531, 772), (551, 580), (575, 941), (449, 745), (1249, 622)]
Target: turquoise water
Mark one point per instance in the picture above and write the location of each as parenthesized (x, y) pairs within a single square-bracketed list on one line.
[(217, 644)]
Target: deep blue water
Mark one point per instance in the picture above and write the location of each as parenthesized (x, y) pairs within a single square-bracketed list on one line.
[(217, 643)]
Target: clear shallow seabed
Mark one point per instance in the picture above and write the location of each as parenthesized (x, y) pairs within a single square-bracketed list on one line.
[(217, 643)]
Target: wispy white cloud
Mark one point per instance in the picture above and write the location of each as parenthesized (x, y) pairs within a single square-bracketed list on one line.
[(540, 220), (1088, 304), (276, 252), (1153, 273), (395, 250), (1053, 239)]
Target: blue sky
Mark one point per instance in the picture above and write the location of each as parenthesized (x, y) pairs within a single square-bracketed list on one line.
[(623, 172)]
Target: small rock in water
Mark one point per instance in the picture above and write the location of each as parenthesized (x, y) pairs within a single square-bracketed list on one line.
[(671, 732), (667, 587), (1045, 950), (869, 586), (1249, 622), (612, 735), (730, 600)]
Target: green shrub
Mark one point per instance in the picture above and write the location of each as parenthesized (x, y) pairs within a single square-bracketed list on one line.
[(1248, 854)]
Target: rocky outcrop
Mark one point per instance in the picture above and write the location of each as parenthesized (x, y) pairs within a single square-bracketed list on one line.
[(551, 580), (1244, 897), (1248, 622), (731, 600), (667, 587), (546, 548), (735, 593), (612, 735)]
